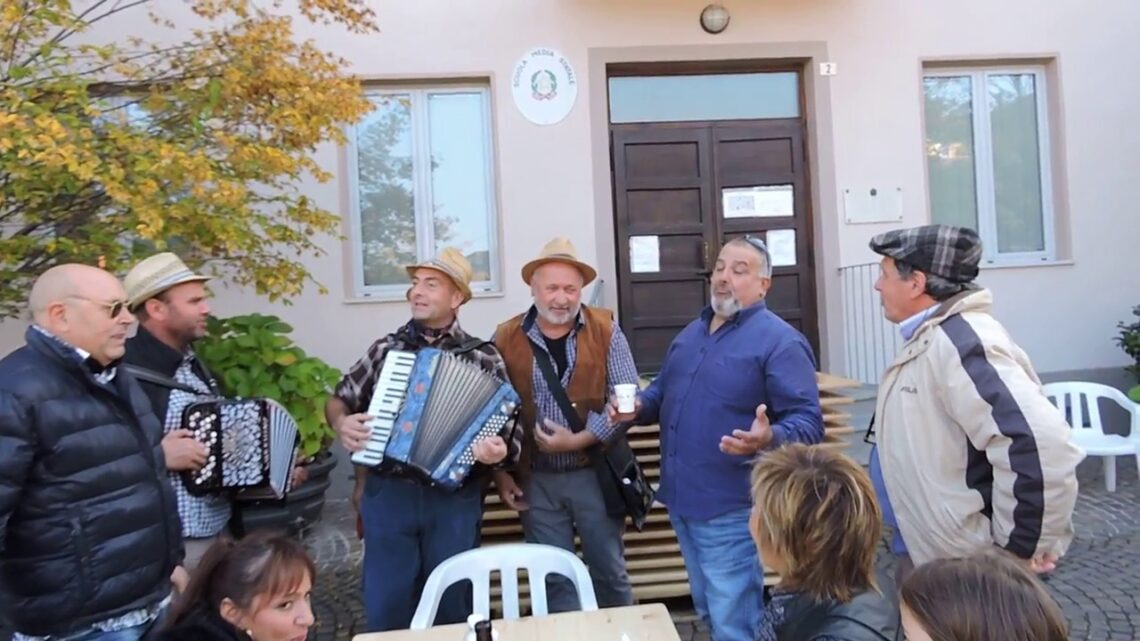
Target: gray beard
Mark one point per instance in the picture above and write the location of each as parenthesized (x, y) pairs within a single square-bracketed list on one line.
[(549, 317), (724, 307)]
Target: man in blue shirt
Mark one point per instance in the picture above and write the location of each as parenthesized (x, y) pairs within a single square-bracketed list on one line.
[(736, 381)]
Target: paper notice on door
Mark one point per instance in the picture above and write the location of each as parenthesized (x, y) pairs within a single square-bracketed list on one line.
[(782, 247), (758, 202), (644, 254)]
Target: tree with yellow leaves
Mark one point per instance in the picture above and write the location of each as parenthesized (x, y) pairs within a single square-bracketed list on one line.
[(193, 141)]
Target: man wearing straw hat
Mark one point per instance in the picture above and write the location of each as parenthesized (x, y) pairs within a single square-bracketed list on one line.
[(170, 302), (555, 489), (410, 528)]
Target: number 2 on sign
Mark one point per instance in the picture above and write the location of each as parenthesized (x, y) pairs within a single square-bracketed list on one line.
[(828, 68)]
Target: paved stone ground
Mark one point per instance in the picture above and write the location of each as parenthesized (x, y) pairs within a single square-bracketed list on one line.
[(1097, 583)]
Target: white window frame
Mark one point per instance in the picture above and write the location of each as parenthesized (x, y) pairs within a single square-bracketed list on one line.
[(421, 188), (983, 161)]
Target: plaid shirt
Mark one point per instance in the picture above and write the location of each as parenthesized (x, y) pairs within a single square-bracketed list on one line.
[(358, 385), (202, 516), (620, 369), (102, 375)]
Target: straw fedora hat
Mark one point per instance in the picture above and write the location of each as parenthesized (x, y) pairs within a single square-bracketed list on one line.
[(156, 274), (451, 263), (559, 250)]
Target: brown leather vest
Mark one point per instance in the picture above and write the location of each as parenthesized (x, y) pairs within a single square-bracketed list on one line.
[(587, 388)]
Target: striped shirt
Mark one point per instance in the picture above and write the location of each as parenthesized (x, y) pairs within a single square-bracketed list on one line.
[(620, 369)]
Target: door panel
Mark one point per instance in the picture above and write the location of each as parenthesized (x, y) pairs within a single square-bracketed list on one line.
[(669, 181)]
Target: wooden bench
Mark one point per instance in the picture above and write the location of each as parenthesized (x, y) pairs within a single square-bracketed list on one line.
[(654, 562)]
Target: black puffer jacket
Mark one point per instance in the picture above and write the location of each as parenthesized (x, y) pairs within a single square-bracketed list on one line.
[(88, 523)]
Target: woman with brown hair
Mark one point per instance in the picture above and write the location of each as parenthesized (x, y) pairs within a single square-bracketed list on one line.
[(253, 589), (817, 524), (986, 597)]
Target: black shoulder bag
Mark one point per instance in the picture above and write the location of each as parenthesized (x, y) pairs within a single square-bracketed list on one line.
[(624, 487)]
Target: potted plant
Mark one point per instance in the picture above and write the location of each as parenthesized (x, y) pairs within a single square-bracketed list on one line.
[(1129, 341), (253, 356)]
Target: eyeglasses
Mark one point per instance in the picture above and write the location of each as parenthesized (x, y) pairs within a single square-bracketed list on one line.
[(114, 308)]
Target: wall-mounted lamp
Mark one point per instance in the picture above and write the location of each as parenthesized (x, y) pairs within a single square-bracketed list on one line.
[(714, 18)]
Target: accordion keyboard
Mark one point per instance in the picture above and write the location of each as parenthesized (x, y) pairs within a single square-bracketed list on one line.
[(387, 398)]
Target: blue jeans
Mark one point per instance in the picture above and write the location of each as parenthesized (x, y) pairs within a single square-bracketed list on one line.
[(725, 576), (409, 529)]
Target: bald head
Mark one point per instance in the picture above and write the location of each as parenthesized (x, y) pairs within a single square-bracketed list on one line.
[(63, 281), (77, 303)]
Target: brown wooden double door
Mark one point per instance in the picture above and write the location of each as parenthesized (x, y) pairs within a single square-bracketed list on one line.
[(672, 185)]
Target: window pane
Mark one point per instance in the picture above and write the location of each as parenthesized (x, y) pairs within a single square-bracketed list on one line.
[(387, 214), (1017, 162), (735, 96), (460, 184), (950, 150)]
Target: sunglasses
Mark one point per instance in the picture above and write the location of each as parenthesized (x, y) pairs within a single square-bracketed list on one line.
[(114, 309), (756, 242)]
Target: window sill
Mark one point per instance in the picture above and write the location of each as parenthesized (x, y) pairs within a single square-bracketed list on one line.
[(367, 300), (1022, 264)]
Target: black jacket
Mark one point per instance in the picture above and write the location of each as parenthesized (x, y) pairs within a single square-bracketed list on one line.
[(89, 527), (146, 351), (867, 617), (202, 624)]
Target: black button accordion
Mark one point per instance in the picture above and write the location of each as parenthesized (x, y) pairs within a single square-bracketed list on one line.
[(429, 408), (252, 445)]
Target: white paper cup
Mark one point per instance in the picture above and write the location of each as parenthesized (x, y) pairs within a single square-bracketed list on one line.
[(626, 397)]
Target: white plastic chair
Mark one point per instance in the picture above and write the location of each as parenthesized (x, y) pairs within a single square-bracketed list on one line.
[(478, 564), (1092, 438)]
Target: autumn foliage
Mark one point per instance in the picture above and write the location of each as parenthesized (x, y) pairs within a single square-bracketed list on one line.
[(193, 139)]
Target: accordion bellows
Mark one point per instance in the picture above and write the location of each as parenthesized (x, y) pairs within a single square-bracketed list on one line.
[(251, 443), (429, 409)]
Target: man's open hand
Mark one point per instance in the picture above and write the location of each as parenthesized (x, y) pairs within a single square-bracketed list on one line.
[(755, 439)]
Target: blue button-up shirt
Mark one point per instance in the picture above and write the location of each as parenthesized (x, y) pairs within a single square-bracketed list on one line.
[(709, 386)]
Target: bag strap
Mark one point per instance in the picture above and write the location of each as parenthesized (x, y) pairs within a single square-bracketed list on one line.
[(469, 345), (151, 376), (555, 385)]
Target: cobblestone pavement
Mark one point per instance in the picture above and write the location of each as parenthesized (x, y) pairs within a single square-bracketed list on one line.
[(1097, 584)]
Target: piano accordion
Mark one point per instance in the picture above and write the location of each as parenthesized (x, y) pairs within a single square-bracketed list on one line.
[(429, 408), (252, 445)]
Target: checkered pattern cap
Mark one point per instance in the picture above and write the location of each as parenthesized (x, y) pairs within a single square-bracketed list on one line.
[(950, 252)]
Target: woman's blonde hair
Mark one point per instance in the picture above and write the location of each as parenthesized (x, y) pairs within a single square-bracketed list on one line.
[(818, 511)]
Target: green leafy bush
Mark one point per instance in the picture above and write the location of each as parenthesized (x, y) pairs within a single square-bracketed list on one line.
[(1129, 341), (253, 356)]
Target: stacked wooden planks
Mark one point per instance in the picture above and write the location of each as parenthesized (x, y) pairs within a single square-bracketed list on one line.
[(653, 556)]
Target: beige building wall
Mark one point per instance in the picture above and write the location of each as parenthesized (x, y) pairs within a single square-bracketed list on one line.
[(865, 130)]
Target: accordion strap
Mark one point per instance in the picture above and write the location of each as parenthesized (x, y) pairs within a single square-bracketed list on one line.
[(151, 376), (469, 345)]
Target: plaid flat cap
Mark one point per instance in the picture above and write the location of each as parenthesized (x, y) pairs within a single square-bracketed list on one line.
[(950, 252)]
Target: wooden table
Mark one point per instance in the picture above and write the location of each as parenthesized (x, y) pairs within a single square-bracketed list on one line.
[(638, 623)]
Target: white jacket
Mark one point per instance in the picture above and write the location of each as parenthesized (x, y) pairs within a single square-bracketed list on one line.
[(972, 452)]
